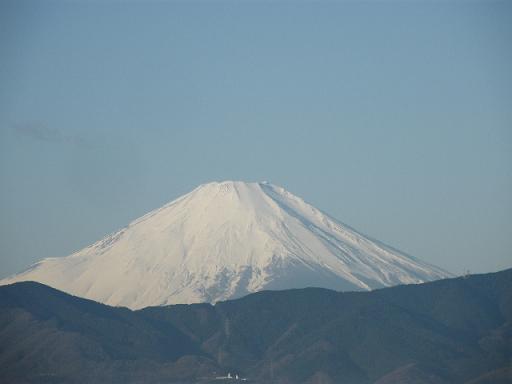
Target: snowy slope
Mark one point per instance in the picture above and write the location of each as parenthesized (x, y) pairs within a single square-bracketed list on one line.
[(224, 240)]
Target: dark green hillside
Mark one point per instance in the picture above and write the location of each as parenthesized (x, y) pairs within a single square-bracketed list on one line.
[(449, 331)]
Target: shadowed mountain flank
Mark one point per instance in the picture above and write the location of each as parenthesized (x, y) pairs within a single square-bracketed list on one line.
[(448, 331)]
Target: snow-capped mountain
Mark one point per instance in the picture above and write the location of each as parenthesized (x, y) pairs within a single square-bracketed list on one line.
[(222, 241)]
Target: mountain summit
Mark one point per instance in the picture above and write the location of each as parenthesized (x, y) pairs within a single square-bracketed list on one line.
[(225, 240)]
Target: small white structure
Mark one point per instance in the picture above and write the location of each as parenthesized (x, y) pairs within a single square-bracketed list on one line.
[(231, 377)]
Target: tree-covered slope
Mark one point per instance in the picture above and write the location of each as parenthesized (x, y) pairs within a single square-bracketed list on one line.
[(449, 331)]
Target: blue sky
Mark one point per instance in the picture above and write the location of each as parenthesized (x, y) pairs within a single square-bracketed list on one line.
[(394, 117)]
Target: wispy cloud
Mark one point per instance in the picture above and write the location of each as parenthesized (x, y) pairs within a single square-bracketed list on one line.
[(39, 131)]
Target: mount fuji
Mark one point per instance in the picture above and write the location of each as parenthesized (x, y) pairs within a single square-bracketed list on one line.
[(222, 241)]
